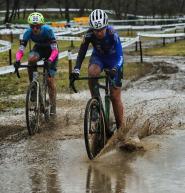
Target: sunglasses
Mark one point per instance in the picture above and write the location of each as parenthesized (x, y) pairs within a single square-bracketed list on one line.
[(99, 30), (35, 26)]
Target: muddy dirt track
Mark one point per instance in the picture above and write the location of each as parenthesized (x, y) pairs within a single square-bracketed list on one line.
[(55, 160)]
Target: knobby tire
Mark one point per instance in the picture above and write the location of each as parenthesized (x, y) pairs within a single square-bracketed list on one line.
[(94, 138)]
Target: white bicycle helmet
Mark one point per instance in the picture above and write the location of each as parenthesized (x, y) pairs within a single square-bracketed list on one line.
[(98, 19)]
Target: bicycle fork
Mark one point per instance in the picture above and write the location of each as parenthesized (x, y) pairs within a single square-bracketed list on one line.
[(38, 92), (107, 110)]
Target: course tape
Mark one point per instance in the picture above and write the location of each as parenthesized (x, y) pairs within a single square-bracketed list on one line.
[(125, 42), (6, 46), (161, 35)]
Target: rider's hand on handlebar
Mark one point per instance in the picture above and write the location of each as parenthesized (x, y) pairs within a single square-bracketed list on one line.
[(17, 65), (113, 72), (74, 74), (48, 64)]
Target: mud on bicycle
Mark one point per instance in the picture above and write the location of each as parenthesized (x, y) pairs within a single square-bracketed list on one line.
[(38, 103), (98, 127)]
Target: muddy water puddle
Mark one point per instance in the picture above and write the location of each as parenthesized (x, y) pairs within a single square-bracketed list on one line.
[(42, 165)]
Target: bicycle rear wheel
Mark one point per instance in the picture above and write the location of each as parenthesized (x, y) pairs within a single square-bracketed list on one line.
[(32, 108), (94, 128)]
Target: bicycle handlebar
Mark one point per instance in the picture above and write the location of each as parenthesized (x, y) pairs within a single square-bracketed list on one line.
[(106, 76), (27, 66), (72, 81)]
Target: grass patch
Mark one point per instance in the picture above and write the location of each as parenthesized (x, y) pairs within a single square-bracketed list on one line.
[(170, 49), (133, 71), (11, 85), (12, 104)]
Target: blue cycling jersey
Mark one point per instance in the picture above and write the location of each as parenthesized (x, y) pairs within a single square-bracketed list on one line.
[(45, 38), (107, 48)]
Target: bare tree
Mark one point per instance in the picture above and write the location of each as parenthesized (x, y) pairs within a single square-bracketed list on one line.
[(59, 2), (93, 4), (7, 11), (15, 10), (117, 6), (136, 7), (67, 17), (126, 7), (99, 4), (179, 5)]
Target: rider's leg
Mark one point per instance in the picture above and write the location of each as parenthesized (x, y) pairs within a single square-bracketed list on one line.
[(118, 107), (52, 93), (32, 60), (45, 53), (94, 71), (52, 86)]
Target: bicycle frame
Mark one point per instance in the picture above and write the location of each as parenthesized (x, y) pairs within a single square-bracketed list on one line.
[(106, 108), (97, 129), (40, 90), (106, 87), (38, 105)]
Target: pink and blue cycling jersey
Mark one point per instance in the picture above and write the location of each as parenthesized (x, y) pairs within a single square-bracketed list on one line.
[(45, 40)]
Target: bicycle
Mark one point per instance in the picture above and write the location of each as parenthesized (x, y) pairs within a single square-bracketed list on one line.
[(97, 124), (37, 98)]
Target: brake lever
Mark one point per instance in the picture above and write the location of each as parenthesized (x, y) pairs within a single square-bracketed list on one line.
[(72, 85), (17, 72)]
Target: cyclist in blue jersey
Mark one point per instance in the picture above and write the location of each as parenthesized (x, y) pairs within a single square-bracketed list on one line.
[(107, 53), (45, 47)]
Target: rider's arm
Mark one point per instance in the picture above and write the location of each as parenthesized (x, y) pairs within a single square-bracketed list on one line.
[(54, 52), (53, 44), (20, 53), (82, 51), (23, 44), (119, 52)]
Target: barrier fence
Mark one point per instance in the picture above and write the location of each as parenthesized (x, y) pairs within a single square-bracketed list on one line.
[(125, 42)]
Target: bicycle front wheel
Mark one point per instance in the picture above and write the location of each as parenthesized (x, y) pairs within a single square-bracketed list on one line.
[(32, 108), (94, 128)]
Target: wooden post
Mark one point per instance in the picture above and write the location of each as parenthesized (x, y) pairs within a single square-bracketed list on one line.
[(136, 47), (11, 37), (164, 41), (72, 44), (10, 57), (70, 64), (141, 52), (175, 33)]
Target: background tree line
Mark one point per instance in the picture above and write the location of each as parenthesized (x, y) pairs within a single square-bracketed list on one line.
[(121, 8)]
